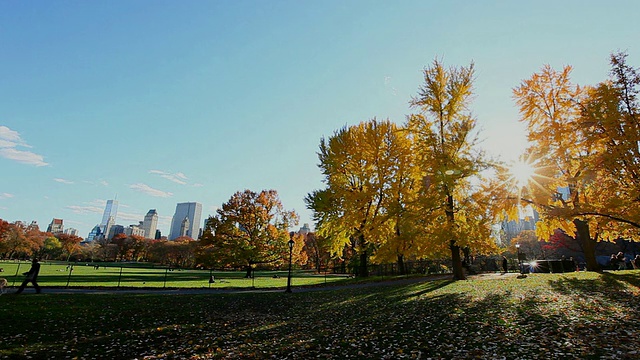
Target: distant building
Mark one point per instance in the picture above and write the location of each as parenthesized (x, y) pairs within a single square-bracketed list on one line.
[(115, 230), (110, 213), (528, 217), (192, 211), (108, 228), (34, 225), (150, 224), (94, 234), (55, 227), (134, 230), (158, 235), (185, 226), (305, 229), (71, 231)]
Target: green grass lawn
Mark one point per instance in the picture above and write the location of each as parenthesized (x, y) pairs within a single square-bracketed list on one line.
[(544, 316), (131, 276)]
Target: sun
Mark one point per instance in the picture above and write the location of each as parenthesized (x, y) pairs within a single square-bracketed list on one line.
[(522, 172)]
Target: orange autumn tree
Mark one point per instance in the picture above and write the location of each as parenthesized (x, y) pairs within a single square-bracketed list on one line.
[(251, 228), (585, 151)]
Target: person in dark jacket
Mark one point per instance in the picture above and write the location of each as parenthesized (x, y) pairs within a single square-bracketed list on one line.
[(505, 264), (32, 277)]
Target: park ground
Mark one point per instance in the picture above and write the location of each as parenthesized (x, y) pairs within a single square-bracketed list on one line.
[(543, 316)]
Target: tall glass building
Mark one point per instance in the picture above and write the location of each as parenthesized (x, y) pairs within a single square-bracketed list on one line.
[(191, 211), (110, 211)]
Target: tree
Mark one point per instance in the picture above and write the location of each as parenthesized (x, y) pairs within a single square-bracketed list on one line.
[(70, 243), (566, 188), (317, 249), (359, 164), (139, 247), (298, 255), (529, 244), (610, 114), (251, 228), (14, 241), (444, 132), (181, 252), (52, 248)]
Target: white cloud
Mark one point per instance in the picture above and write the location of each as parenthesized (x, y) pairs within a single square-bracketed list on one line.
[(10, 135), (9, 140), (144, 188), (178, 178), (90, 209), (104, 183), (26, 157), (197, 185), (5, 196), (135, 218), (63, 181)]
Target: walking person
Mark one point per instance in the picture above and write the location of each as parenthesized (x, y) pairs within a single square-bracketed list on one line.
[(32, 277), (505, 264)]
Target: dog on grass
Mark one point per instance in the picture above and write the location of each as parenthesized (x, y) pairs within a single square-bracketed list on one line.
[(3, 284)]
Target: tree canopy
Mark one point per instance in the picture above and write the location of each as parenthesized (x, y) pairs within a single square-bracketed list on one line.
[(251, 228)]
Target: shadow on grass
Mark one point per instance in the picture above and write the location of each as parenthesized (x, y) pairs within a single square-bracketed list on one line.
[(435, 319)]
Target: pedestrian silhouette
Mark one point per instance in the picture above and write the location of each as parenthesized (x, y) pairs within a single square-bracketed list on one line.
[(505, 264), (32, 277)]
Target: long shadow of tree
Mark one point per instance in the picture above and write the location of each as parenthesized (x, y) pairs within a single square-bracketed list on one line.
[(504, 319)]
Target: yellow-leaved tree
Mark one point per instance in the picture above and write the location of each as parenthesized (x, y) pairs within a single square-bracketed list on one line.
[(565, 186), (456, 208), (584, 147), (366, 170), (611, 118)]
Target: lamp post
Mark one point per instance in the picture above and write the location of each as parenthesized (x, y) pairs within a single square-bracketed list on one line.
[(519, 258), (289, 275)]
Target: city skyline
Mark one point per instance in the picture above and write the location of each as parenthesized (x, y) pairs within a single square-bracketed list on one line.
[(163, 102)]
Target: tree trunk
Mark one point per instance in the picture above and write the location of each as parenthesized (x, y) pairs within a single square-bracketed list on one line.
[(364, 257), (588, 245), (456, 263), (401, 269), (364, 269), (458, 272)]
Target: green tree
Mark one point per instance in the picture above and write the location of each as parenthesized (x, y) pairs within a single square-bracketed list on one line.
[(52, 248), (251, 228)]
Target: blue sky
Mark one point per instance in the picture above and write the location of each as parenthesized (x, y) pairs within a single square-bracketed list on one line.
[(160, 102)]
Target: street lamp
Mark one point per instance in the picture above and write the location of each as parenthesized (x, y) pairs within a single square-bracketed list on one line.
[(289, 275), (519, 258)]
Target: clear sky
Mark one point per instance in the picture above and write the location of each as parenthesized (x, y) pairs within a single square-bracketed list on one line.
[(161, 102)]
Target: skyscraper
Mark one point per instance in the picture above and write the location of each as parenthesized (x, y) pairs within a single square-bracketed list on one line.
[(55, 227), (150, 224), (95, 233), (110, 211), (191, 211)]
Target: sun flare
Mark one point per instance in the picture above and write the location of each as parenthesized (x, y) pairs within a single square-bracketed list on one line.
[(522, 172)]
